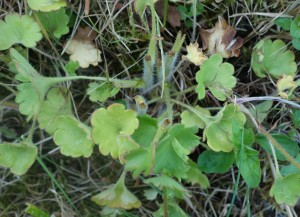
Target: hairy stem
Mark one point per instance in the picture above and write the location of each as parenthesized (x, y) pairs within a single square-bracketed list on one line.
[(117, 82)]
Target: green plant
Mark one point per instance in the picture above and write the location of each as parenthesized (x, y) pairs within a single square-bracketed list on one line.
[(155, 149), (292, 25)]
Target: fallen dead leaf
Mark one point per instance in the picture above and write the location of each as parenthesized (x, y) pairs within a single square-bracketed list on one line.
[(82, 48), (195, 54), (220, 39)]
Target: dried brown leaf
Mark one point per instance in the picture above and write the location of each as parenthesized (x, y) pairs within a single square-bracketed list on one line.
[(220, 39)]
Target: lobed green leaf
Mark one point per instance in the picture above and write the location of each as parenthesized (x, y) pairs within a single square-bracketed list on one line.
[(54, 22), (18, 157), (109, 123), (57, 103), (268, 56), (19, 30), (217, 77), (73, 137), (286, 190)]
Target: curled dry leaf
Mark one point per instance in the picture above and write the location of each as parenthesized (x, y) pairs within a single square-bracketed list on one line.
[(83, 49), (220, 39), (195, 54)]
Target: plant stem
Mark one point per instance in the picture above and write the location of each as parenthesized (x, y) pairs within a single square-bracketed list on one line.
[(117, 82), (168, 101), (248, 202), (160, 131), (166, 214), (163, 61), (31, 130), (241, 153)]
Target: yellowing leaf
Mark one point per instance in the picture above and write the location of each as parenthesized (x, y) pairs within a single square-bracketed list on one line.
[(85, 52), (220, 39), (117, 196), (19, 30), (190, 119), (219, 133), (73, 137), (109, 123), (286, 85), (46, 5), (17, 157), (194, 54), (286, 190)]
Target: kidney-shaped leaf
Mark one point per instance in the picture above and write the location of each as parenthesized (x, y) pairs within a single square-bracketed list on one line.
[(109, 123), (19, 30), (73, 137), (268, 58), (55, 22), (17, 157), (287, 189), (57, 103)]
